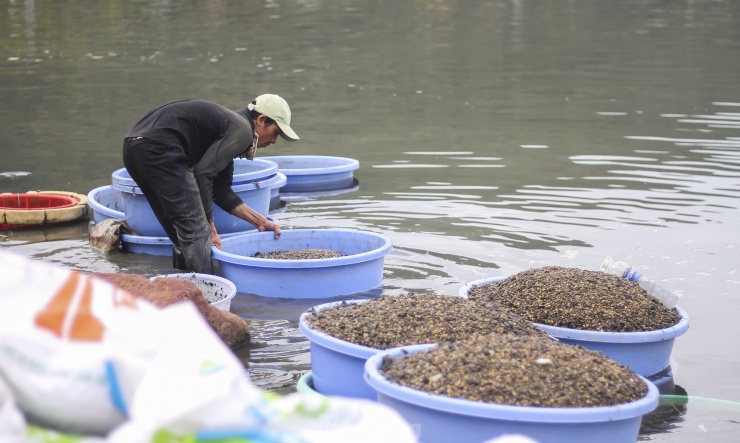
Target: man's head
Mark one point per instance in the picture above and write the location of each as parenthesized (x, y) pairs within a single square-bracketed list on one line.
[(271, 115)]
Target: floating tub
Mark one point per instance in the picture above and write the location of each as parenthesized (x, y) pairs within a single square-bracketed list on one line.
[(359, 269), (305, 196), (646, 353), (105, 203), (307, 173), (141, 219), (217, 290), (38, 209), (445, 419), (161, 246), (337, 366)]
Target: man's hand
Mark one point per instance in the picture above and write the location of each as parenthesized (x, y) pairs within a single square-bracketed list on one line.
[(270, 226), (215, 238), (259, 221)]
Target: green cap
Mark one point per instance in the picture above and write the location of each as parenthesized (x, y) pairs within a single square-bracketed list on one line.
[(276, 108)]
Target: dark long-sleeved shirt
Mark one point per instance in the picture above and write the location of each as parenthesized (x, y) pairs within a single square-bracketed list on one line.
[(211, 136)]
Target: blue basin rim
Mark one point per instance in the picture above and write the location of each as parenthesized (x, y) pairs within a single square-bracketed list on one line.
[(263, 168), (506, 412), (228, 257), (313, 164), (622, 337), (282, 179), (237, 187), (99, 207)]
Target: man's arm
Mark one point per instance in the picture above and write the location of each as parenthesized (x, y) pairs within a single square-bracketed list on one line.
[(259, 221)]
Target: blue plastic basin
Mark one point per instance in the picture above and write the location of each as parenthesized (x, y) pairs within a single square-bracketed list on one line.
[(646, 353), (359, 269), (247, 171), (337, 366), (445, 419), (105, 202), (307, 173), (256, 195), (140, 217)]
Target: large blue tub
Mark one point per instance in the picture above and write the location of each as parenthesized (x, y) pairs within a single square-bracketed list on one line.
[(439, 419), (337, 366), (140, 217), (646, 353), (359, 269), (309, 173)]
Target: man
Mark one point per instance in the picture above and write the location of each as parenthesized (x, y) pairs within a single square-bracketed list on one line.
[(182, 154)]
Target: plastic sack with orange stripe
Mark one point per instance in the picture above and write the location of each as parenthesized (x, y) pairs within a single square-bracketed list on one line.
[(87, 362)]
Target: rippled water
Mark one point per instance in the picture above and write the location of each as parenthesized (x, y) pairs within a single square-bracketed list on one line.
[(493, 136)]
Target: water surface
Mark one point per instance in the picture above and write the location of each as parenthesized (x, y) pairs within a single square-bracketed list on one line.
[(493, 136)]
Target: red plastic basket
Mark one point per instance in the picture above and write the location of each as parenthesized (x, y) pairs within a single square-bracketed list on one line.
[(31, 202), (35, 201)]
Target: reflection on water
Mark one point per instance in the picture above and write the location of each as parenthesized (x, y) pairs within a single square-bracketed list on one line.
[(278, 353), (493, 136)]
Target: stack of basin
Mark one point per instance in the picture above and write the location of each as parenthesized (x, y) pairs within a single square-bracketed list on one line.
[(252, 182)]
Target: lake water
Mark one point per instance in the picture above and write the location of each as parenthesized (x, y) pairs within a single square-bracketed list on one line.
[(493, 137)]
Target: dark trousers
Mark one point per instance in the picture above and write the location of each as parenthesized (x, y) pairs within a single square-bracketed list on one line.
[(167, 181)]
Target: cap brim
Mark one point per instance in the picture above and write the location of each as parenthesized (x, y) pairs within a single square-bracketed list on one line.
[(287, 132)]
